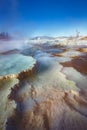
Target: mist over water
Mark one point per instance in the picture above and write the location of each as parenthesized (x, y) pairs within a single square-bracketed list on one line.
[(11, 45)]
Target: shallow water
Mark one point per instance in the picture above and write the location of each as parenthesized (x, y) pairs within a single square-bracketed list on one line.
[(15, 63)]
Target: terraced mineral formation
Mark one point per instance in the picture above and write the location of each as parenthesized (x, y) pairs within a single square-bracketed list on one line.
[(82, 49), (79, 63), (42, 96), (48, 101), (11, 66), (15, 64)]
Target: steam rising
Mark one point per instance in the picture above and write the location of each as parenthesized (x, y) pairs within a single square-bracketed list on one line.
[(11, 45)]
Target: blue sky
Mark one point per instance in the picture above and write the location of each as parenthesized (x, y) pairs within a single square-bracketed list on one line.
[(43, 17)]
